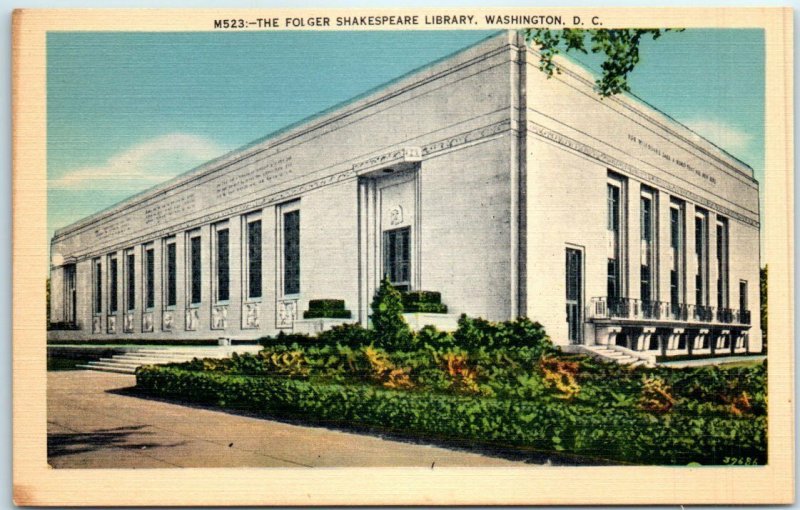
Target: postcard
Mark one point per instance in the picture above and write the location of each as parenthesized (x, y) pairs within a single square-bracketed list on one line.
[(440, 256)]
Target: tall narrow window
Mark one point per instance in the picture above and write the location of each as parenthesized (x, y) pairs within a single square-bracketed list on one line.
[(574, 285), (648, 242), (223, 265), (723, 291), (676, 224), (701, 256), (112, 284), (291, 252), (171, 274), (70, 294), (614, 239), (131, 280), (98, 286), (254, 259), (195, 270), (397, 257), (742, 295), (149, 277)]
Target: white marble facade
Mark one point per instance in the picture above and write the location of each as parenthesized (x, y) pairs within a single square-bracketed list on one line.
[(476, 177)]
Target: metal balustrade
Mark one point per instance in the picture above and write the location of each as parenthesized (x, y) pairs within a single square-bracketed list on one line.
[(663, 311)]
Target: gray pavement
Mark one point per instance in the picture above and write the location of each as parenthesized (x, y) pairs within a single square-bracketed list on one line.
[(91, 424)]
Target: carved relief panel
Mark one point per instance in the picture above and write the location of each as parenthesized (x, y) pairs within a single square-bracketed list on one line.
[(147, 322), (252, 316), (192, 319), (219, 316), (287, 313), (127, 325), (167, 320)]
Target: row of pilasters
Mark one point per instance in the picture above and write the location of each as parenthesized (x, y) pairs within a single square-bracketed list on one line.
[(239, 316)]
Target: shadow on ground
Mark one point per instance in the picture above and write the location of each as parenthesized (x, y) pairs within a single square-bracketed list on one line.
[(518, 454), (127, 438)]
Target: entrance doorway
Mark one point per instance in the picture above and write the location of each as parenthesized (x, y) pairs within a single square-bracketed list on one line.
[(397, 257)]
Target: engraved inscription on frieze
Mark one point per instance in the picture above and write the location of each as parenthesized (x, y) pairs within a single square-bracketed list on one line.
[(169, 209), (113, 228), (252, 176), (671, 158)]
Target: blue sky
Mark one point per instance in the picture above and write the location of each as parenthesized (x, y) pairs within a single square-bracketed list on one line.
[(129, 110)]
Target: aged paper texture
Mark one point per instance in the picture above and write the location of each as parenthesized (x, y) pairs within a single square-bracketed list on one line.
[(455, 265)]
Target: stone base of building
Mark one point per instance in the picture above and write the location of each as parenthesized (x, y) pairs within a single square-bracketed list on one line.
[(316, 326), (441, 321)]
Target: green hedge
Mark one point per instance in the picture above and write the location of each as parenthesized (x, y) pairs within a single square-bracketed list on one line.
[(614, 433), (421, 307), (326, 309), (421, 296), (326, 304), (327, 314)]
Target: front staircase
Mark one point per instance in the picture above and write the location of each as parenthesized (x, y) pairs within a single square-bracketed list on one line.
[(133, 358), (617, 354)]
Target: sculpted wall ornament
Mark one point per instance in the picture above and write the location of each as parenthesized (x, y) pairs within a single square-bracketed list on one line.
[(127, 327), (287, 313), (396, 215), (252, 319), (167, 320), (111, 327), (219, 317), (192, 319), (147, 322)]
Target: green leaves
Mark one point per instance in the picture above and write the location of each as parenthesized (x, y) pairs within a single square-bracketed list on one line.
[(391, 330), (620, 46), (621, 433)]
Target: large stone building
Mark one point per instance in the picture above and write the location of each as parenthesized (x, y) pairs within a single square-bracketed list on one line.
[(477, 177)]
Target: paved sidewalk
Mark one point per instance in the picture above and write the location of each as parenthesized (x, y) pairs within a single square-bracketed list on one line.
[(91, 426)]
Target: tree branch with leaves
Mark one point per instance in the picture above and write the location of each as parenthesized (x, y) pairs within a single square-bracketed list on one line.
[(620, 46)]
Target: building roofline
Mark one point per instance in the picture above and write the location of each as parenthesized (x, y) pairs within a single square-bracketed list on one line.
[(577, 69), (301, 126), (379, 93)]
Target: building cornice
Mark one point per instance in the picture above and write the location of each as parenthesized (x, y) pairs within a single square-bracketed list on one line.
[(419, 78), (617, 164), (646, 111), (405, 154)]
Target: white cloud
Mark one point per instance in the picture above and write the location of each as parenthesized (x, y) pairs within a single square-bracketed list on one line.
[(142, 165), (730, 138)]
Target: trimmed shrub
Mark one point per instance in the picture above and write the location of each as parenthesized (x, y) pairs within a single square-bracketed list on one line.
[(619, 433), (391, 330), (62, 326), (421, 296), (476, 333), (352, 335), (419, 307), (326, 304), (327, 314), (326, 309), (283, 338)]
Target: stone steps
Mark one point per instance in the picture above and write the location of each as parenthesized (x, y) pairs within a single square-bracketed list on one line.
[(615, 356), (128, 363)]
